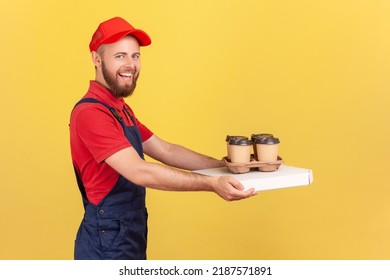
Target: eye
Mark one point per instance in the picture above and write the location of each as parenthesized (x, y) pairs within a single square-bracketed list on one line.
[(120, 56), (136, 56)]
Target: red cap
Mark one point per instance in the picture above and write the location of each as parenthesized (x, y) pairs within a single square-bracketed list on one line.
[(113, 30)]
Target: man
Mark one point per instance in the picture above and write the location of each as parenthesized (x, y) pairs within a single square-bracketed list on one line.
[(108, 144)]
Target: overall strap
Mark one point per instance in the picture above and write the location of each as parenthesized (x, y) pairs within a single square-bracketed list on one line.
[(112, 109), (117, 116)]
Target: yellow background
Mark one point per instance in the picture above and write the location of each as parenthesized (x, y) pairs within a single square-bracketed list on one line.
[(314, 73)]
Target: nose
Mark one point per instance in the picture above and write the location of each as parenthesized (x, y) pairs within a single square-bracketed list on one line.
[(132, 62), (130, 65)]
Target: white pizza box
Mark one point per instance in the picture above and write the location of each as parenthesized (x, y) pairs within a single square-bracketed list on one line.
[(284, 177)]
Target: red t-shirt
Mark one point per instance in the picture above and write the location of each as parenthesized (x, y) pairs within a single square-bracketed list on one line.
[(96, 134)]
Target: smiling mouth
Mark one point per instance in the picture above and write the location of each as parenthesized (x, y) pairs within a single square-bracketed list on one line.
[(126, 75)]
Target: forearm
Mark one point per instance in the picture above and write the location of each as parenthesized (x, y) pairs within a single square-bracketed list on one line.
[(158, 176), (184, 158), (154, 175), (178, 156)]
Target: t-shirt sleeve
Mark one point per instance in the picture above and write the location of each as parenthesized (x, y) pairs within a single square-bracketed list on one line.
[(100, 132), (146, 133)]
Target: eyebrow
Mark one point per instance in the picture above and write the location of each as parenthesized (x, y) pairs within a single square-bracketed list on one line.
[(125, 53)]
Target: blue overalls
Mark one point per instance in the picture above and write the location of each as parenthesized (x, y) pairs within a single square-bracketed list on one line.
[(117, 227)]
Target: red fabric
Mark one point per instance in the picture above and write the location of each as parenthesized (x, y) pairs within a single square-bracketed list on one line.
[(115, 29), (95, 134)]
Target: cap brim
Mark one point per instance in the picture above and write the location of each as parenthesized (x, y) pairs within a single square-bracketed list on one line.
[(141, 36)]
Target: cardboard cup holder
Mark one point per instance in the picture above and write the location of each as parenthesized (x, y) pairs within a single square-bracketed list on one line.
[(245, 167)]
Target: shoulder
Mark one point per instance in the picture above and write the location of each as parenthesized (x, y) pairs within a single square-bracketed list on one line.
[(89, 110), (93, 116)]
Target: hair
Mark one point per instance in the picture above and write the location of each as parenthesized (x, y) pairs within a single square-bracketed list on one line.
[(101, 49)]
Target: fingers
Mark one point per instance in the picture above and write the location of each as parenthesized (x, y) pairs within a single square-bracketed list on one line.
[(235, 183), (251, 192), (245, 194), (234, 190)]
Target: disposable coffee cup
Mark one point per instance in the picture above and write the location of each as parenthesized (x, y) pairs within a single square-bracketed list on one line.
[(258, 137), (239, 150), (267, 149), (232, 137)]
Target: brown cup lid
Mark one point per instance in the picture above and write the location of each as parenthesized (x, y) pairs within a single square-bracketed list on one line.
[(228, 137), (267, 141), (254, 137), (240, 141)]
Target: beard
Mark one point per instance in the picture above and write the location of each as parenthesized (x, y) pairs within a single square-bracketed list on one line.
[(116, 89)]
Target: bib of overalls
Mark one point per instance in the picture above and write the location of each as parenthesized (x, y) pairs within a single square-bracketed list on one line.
[(116, 228)]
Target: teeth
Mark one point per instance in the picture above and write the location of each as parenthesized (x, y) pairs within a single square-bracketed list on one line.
[(126, 74)]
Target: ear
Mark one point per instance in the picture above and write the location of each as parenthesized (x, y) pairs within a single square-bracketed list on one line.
[(96, 59)]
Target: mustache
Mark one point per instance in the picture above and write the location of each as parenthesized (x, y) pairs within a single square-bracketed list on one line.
[(128, 69)]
